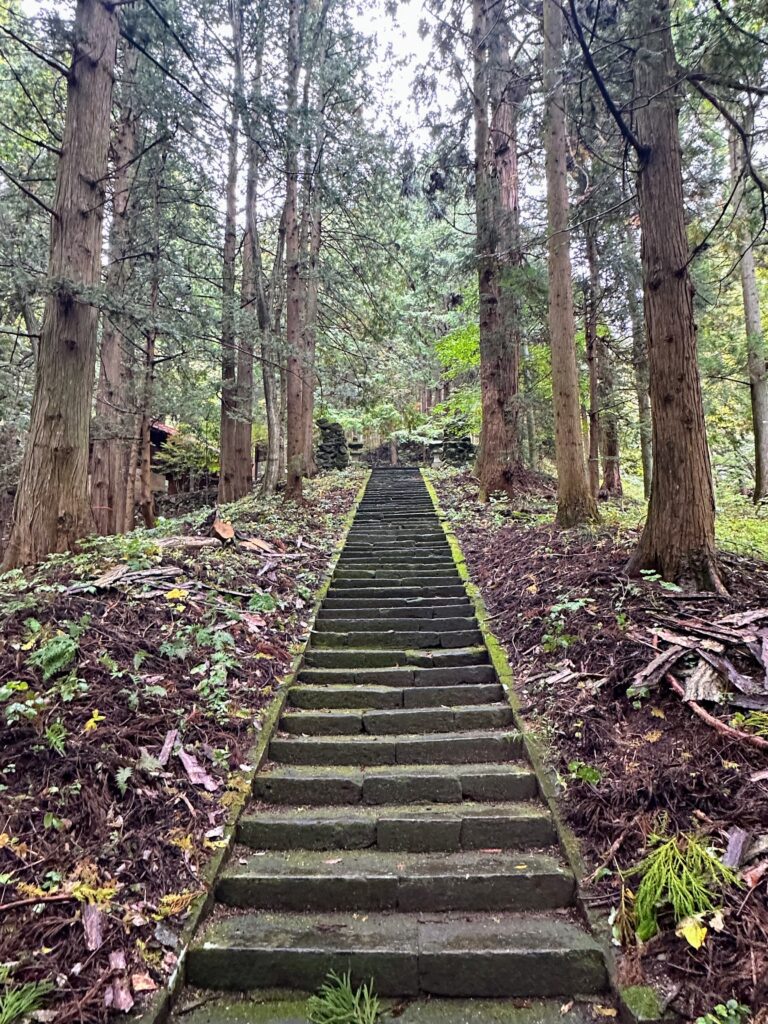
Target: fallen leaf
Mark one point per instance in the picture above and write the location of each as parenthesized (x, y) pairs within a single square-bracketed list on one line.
[(604, 1011), (117, 960), (142, 983), (257, 544), (693, 931), (657, 713), (717, 922), (653, 736), (170, 738), (566, 1007), (755, 874)]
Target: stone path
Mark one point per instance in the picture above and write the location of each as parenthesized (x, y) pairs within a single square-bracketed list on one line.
[(396, 829)]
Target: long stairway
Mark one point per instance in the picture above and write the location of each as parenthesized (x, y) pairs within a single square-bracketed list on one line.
[(396, 829)]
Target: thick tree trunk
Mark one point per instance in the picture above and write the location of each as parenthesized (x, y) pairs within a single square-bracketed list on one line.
[(495, 97), (757, 366), (228, 436), (52, 508), (113, 429), (640, 367), (146, 497), (575, 504), (679, 536), (310, 335), (294, 363), (532, 451)]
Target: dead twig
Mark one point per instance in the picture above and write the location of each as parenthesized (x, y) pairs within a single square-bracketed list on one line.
[(716, 723)]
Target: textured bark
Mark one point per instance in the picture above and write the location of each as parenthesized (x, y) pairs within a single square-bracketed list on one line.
[(610, 448), (532, 450), (310, 333), (640, 367), (228, 435), (293, 336), (678, 540), (52, 508), (496, 92), (146, 500), (113, 428), (575, 504), (591, 341), (757, 366)]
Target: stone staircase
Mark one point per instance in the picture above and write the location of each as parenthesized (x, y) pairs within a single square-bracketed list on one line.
[(396, 829)]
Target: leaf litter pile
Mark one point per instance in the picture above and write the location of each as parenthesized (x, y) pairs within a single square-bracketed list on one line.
[(132, 680), (651, 705)]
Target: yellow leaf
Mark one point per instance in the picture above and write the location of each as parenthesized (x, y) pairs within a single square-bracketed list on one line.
[(657, 713), (693, 931), (605, 1011), (93, 721), (533, 589), (653, 736), (731, 764), (177, 594)]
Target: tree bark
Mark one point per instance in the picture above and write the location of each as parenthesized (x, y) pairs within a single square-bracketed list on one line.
[(496, 93), (52, 508), (610, 447), (293, 335), (591, 344), (575, 504), (532, 450), (678, 540), (640, 367), (113, 427), (146, 501), (756, 348), (228, 435)]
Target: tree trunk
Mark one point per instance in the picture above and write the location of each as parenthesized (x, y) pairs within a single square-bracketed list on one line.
[(609, 423), (591, 342), (310, 335), (113, 429), (575, 504), (530, 415), (294, 368), (679, 536), (756, 348), (640, 366), (146, 497), (52, 509), (228, 437), (496, 92)]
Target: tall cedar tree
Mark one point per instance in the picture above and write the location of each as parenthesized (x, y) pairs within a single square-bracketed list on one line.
[(52, 508), (575, 504)]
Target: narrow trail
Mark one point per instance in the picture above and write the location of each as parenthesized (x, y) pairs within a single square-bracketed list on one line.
[(397, 829)]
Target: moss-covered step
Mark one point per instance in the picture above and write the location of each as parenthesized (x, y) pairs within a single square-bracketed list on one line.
[(443, 748), (307, 785), (418, 828), (356, 655), (311, 697), (420, 623), (414, 599), (399, 720), (402, 613), (400, 639), (413, 588), (401, 676), (368, 880), (483, 955), (291, 1008)]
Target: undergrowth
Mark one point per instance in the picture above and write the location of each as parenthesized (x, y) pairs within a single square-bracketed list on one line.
[(19, 1001), (681, 873), (338, 1002)]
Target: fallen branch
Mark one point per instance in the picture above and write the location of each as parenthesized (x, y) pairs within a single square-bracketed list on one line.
[(716, 723)]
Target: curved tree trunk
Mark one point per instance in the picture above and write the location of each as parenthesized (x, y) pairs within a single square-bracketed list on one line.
[(575, 504), (113, 427), (52, 508), (678, 540)]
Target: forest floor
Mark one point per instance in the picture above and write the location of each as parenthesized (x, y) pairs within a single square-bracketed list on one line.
[(635, 768), (132, 679)]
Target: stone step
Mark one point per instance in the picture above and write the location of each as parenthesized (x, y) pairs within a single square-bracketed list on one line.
[(435, 637), (371, 880), (393, 581), (318, 698), (401, 676), (443, 748), (291, 1008), (400, 784), (412, 589), (395, 559), (414, 601), (384, 616), (341, 654), (400, 720), (485, 954), (389, 574), (336, 624)]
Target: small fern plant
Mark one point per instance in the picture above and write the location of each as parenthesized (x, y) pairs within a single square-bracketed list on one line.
[(18, 1001), (338, 1002), (681, 873)]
